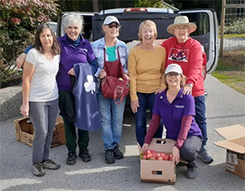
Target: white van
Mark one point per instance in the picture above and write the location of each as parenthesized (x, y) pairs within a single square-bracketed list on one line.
[(130, 19)]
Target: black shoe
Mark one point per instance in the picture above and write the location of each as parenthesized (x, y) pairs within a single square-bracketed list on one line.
[(109, 156), (85, 155), (37, 169), (51, 165), (71, 158), (191, 170), (117, 153)]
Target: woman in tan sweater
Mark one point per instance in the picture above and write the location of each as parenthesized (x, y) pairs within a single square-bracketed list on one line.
[(146, 66)]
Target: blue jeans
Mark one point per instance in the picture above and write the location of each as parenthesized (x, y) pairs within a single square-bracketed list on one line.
[(111, 116), (201, 118), (146, 101)]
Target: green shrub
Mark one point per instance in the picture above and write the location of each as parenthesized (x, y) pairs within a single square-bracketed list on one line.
[(235, 27), (18, 22)]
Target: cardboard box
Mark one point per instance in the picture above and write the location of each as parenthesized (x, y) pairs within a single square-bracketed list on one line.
[(25, 132), (158, 171), (235, 144)]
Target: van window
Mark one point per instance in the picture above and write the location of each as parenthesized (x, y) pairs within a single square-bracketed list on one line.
[(202, 22), (87, 27), (130, 25), (202, 34)]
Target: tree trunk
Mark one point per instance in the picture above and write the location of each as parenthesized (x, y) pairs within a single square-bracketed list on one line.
[(95, 6)]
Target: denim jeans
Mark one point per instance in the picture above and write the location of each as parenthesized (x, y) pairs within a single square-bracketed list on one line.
[(201, 118), (146, 101), (43, 116), (111, 116)]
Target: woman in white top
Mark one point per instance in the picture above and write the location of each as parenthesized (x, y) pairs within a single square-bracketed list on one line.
[(40, 95)]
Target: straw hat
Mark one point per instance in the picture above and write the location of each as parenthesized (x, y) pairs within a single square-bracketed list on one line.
[(181, 20)]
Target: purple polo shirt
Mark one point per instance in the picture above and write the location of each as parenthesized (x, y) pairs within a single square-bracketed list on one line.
[(171, 114), (69, 56)]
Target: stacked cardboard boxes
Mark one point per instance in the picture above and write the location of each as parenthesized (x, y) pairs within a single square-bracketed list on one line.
[(25, 132)]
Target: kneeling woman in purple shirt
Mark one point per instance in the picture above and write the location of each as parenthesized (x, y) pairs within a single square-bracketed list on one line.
[(177, 113)]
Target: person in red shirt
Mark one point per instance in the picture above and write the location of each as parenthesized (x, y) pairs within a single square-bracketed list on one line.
[(187, 52)]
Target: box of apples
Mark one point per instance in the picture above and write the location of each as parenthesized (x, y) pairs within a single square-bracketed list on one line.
[(156, 163)]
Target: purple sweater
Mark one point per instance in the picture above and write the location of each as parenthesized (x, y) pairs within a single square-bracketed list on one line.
[(70, 55)]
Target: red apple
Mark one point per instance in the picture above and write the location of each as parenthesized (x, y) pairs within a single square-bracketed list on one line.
[(166, 157), (153, 151), (160, 158), (149, 155), (147, 152), (152, 158), (163, 156), (171, 157)]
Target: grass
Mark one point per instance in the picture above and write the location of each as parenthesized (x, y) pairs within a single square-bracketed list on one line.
[(234, 35), (231, 70)]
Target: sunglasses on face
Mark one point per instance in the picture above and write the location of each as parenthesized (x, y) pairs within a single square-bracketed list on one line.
[(172, 74), (113, 25)]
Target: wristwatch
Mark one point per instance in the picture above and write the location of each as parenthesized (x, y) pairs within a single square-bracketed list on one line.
[(190, 85)]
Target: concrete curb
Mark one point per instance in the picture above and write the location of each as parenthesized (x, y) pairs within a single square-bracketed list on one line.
[(10, 102)]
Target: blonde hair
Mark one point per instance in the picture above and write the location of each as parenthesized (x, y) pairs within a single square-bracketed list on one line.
[(150, 24)]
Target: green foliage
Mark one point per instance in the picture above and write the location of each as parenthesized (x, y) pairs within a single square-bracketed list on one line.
[(148, 3), (235, 27), (72, 5), (18, 21)]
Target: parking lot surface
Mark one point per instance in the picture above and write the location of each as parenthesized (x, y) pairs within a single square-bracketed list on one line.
[(225, 107)]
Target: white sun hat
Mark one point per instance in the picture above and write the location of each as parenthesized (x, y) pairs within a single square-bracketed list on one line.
[(111, 19), (173, 68), (181, 20)]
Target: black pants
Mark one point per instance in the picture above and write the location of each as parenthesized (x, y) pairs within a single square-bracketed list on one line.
[(67, 111)]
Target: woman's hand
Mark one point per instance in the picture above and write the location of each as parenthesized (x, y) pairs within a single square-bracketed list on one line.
[(134, 106), (127, 77), (71, 72), (20, 60), (187, 89), (24, 110), (145, 147), (102, 74), (158, 91), (176, 155)]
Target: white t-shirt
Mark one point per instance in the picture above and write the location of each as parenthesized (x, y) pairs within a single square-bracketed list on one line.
[(43, 85)]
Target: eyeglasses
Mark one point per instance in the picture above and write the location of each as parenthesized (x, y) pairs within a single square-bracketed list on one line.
[(172, 74), (113, 25)]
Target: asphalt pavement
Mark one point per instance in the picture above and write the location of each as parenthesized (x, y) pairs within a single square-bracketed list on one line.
[(224, 107)]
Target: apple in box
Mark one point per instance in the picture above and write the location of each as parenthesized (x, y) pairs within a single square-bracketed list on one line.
[(153, 155)]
